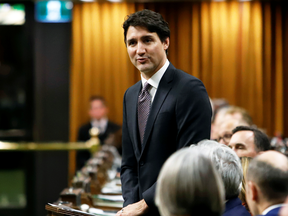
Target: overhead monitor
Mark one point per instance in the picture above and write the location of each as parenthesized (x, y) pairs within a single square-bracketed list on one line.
[(53, 11), (12, 14)]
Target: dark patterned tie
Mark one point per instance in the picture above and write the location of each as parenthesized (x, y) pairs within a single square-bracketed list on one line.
[(144, 104)]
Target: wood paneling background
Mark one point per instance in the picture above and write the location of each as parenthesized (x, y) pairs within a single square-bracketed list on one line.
[(238, 50)]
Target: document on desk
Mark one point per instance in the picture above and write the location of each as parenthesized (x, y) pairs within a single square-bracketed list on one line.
[(100, 212), (113, 198), (62, 209), (65, 210), (112, 188), (115, 201)]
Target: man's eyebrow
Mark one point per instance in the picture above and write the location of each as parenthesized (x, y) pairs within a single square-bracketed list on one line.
[(240, 144), (147, 36), (129, 40)]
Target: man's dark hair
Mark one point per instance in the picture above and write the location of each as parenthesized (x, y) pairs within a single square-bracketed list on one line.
[(261, 140), (151, 20), (97, 97), (272, 181)]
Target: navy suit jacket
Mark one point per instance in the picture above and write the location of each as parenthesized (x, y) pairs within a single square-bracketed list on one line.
[(274, 212), (234, 207), (180, 115)]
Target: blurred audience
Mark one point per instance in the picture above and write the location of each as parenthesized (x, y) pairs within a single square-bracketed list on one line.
[(225, 113), (229, 167), (248, 141), (245, 163), (98, 118), (267, 183), (225, 129), (108, 131), (188, 184)]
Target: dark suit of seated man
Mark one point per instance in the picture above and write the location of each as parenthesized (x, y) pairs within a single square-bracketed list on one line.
[(98, 114), (229, 166), (267, 183)]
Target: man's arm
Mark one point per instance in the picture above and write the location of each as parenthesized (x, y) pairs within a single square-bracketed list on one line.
[(129, 175), (193, 114)]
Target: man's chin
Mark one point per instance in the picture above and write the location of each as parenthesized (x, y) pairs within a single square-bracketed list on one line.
[(144, 70)]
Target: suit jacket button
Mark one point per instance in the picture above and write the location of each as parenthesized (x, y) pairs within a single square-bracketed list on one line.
[(141, 163)]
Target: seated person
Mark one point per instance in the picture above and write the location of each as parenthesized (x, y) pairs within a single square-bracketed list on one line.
[(226, 113), (188, 184), (267, 183), (229, 167), (98, 113), (248, 141), (225, 129)]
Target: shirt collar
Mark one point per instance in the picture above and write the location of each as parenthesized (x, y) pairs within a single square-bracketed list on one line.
[(270, 208), (155, 79), (99, 122)]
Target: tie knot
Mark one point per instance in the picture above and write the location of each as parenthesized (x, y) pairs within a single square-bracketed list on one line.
[(146, 87)]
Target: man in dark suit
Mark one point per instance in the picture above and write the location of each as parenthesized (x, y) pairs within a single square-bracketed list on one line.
[(267, 183), (98, 113), (165, 111)]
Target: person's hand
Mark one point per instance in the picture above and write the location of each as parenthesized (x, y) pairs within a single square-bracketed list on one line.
[(139, 208), (284, 210)]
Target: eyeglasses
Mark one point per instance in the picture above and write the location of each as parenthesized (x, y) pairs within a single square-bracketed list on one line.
[(226, 137)]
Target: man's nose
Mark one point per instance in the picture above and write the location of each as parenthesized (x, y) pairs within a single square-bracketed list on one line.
[(141, 48)]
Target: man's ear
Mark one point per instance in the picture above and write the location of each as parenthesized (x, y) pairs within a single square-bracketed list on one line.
[(253, 190), (166, 43)]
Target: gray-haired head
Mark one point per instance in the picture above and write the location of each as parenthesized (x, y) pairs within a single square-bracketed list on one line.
[(189, 184), (226, 162)]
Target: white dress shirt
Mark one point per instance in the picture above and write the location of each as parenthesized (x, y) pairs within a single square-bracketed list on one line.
[(155, 80), (100, 124), (270, 208)]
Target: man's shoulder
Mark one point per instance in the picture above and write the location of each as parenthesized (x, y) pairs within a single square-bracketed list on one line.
[(184, 76), (134, 88), (185, 82), (85, 126), (274, 212), (235, 207), (113, 126)]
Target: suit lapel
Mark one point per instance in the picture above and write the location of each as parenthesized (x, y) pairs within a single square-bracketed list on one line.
[(132, 112), (161, 94)]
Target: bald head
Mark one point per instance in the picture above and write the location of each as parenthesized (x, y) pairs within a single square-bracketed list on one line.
[(275, 159), (269, 171)]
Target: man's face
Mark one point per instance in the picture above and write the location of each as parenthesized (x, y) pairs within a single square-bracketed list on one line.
[(225, 132), (97, 110), (242, 142), (146, 51)]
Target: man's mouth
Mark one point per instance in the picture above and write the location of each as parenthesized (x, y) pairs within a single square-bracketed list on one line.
[(142, 60)]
